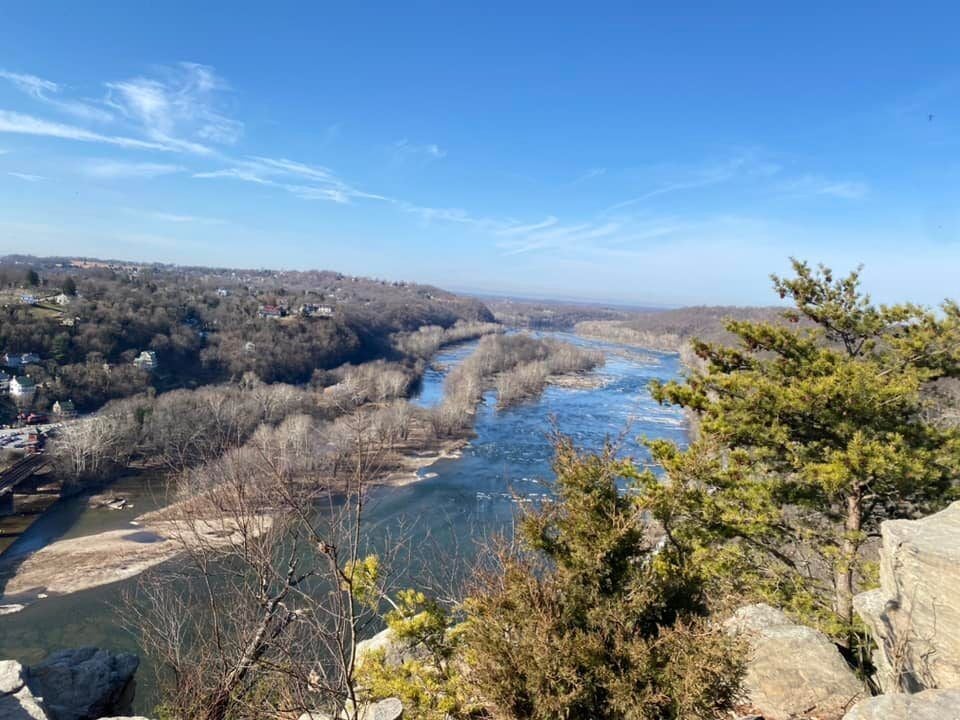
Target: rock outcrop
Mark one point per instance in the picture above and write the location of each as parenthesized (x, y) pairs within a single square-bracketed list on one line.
[(396, 652), (17, 701), (84, 684), (915, 615), (926, 705), (793, 671)]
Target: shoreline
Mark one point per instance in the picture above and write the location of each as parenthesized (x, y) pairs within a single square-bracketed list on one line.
[(65, 567), (68, 566)]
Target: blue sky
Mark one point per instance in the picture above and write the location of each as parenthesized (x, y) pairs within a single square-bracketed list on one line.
[(662, 153)]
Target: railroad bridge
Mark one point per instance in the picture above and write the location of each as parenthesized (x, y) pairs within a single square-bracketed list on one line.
[(19, 480)]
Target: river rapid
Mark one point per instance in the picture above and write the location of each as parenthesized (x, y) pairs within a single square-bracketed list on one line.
[(457, 501)]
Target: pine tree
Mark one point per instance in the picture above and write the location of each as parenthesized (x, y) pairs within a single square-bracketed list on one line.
[(828, 410)]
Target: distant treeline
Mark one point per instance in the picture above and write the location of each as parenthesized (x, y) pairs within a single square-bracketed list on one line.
[(674, 330)]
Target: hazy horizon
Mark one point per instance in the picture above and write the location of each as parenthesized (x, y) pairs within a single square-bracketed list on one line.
[(622, 154)]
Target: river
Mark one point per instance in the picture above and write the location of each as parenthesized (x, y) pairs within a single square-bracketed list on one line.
[(456, 501)]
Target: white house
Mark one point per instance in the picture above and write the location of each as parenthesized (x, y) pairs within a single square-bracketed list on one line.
[(63, 299), (146, 360), (22, 388)]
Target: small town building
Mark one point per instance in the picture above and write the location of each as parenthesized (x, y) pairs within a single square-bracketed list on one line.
[(223, 292), (62, 299), (271, 311), (16, 360), (64, 409), (146, 360), (22, 388), (249, 347), (316, 311)]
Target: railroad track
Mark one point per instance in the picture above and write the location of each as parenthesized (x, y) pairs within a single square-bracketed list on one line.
[(20, 471)]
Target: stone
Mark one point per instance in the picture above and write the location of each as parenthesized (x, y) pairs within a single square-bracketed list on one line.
[(84, 684), (396, 652), (925, 705), (11, 677), (914, 617), (22, 705), (793, 671), (387, 709)]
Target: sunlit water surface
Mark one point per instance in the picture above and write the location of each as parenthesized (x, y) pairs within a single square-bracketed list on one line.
[(456, 503)]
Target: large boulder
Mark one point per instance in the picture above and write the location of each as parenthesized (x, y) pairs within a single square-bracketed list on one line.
[(926, 705), (84, 684), (793, 671), (17, 701), (915, 616)]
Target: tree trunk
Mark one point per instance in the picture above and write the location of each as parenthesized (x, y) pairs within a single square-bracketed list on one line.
[(844, 567)]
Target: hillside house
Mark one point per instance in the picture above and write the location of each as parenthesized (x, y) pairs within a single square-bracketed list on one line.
[(274, 312), (16, 360), (146, 360), (64, 409), (223, 292), (62, 299), (22, 388), (316, 311)]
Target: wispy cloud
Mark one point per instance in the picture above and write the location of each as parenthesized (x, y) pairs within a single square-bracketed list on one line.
[(119, 170), (45, 91), (179, 107), (589, 175), (745, 164), (404, 148), (557, 236), (290, 175), (18, 123), (814, 185), (27, 176), (526, 229), (175, 218)]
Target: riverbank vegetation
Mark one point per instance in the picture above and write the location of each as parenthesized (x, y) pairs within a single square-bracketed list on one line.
[(518, 366)]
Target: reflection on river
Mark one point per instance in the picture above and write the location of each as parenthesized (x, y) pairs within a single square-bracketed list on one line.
[(456, 501)]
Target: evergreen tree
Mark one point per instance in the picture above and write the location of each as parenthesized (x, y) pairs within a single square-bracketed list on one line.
[(592, 619), (69, 286), (824, 418)]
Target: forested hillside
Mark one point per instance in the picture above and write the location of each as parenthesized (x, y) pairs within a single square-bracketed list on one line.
[(89, 320)]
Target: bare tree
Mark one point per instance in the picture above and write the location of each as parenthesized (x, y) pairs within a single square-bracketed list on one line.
[(261, 616)]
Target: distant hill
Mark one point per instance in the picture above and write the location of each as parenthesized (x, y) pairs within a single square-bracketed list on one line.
[(554, 315), (672, 330)]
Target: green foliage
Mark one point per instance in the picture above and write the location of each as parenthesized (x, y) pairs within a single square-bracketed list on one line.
[(429, 684), (824, 421), (588, 621)]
